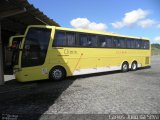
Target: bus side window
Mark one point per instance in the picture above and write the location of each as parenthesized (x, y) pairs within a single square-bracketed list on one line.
[(142, 44), (83, 40), (71, 39), (92, 40), (115, 42), (128, 43), (102, 41), (146, 44), (133, 43), (138, 44), (59, 39), (122, 42), (118, 43), (108, 41)]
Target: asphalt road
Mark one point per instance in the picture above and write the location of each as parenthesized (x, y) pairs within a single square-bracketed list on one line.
[(136, 92)]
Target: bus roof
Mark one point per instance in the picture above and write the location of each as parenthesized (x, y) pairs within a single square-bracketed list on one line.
[(91, 31)]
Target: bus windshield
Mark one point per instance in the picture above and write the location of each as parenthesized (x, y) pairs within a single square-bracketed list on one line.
[(35, 47)]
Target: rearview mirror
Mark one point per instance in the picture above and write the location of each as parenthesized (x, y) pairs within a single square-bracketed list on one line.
[(15, 41)]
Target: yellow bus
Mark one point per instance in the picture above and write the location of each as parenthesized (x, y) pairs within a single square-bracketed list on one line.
[(49, 52)]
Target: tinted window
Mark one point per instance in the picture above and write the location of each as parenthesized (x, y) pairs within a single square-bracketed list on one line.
[(70, 38), (138, 43), (66, 38), (119, 42), (115, 42), (128, 43), (122, 42), (133, 43), (142, 44), (102, 41), (146, 44), (108, 41), (92, 40), (59, 39), (16, 43), (35, 47), (83, 40)]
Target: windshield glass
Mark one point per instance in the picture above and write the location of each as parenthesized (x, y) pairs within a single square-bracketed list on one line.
[(16, 43), (35, 47)]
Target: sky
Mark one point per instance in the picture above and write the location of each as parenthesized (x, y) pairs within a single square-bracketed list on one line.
[(139, 18)]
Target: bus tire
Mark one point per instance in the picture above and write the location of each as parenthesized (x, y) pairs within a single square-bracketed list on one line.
[(57, 73), (125, 67), (134, 66)]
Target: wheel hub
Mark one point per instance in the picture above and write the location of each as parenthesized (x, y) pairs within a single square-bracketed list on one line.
[(134, 66), (125, 67), (57, 73)]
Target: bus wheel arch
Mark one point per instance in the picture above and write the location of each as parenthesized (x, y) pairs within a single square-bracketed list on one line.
[(125, 66), (134, 65), (57, 73)]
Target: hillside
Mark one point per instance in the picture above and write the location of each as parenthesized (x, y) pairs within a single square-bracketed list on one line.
[(155, 49)]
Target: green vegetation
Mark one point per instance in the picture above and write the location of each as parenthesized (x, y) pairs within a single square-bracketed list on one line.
[(155, 49)]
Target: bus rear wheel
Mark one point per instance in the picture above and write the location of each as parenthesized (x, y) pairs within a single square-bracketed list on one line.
[(125, 67), (57, 73), (134, 66)]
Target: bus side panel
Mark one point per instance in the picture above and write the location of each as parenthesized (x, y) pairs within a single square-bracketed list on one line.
[(91, 60)]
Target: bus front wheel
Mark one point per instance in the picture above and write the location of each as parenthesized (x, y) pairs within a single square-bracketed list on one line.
[(57, 73), (125, 67)]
